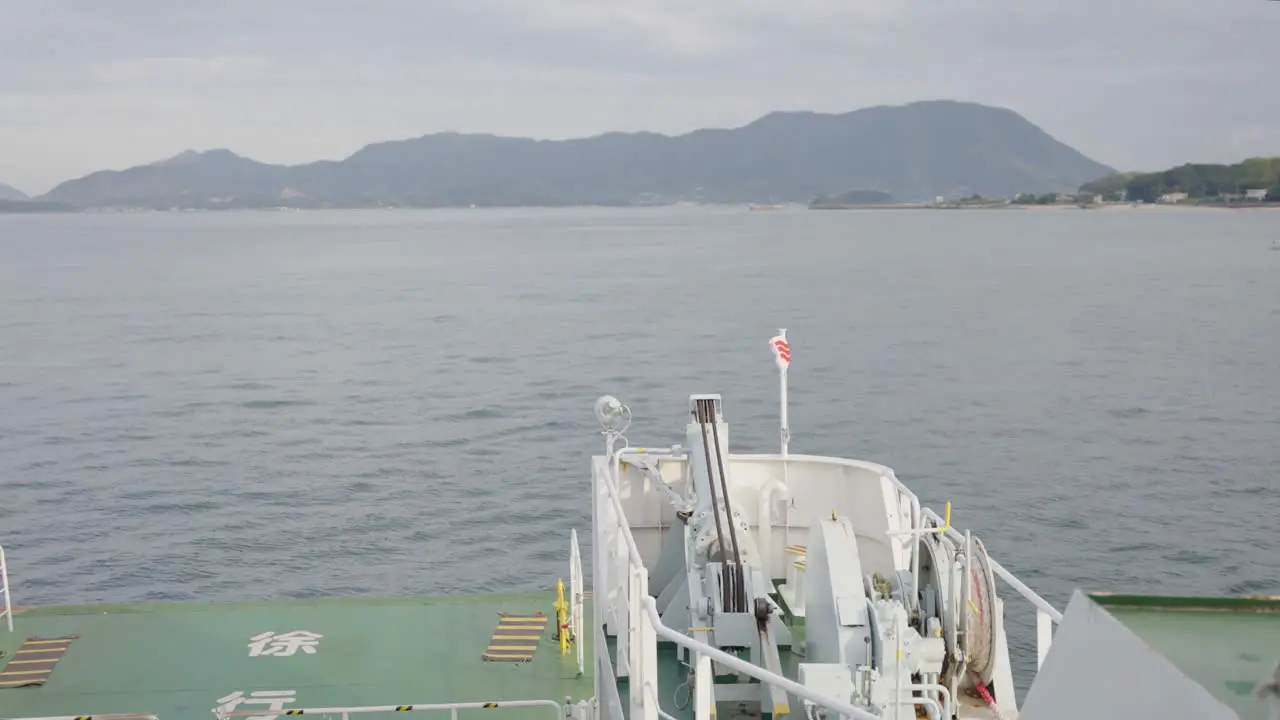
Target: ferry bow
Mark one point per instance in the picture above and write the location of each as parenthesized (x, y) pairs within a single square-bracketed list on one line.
[(786, 584)]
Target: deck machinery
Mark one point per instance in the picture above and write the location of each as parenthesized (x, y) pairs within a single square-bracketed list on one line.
[(879, 639), (710, 574)]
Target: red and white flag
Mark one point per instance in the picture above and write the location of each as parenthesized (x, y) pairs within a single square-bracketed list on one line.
[(781, 350)]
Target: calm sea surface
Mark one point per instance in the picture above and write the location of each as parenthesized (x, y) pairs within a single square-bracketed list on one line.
[(228, 406)]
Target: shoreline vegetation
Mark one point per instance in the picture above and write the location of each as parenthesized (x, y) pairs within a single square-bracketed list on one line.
[(1253, 184), (1249, 185)]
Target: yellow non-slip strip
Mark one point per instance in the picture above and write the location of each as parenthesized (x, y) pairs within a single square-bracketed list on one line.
[(16, 672), (516, 638)]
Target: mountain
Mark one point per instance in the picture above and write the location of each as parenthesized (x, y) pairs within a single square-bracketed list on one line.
[(12, 194), (911, 152)]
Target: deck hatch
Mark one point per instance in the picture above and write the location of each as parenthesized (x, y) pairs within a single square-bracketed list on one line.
[(516, 638), (32, 663)]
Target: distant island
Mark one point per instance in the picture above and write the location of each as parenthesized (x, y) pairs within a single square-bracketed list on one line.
[(852, 199), (34, 206), (913, 153), (1254, 181)]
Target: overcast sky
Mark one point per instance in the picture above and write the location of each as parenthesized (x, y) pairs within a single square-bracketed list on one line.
[(93, 84)]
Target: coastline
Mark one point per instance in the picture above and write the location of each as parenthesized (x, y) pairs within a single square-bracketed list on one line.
[(49, 209), (1108, 207)]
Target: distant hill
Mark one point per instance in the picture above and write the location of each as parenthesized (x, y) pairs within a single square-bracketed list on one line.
[(912, 152), (12, 194), (1198, 180)]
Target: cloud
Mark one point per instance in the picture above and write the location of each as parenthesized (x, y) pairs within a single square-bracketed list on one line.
[(184, 69), (88, 84)]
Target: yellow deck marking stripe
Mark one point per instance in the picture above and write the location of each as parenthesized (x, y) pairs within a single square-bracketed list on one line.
[(516, 638), (50, 650)]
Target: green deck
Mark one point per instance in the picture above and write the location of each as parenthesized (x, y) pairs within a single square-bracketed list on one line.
[(1227, 645), (177, 661)]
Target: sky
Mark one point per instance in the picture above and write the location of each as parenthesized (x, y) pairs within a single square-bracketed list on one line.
[(107, 84)]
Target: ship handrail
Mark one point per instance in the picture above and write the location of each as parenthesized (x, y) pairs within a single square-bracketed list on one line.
[(7, 612), (94, 717), (453, 709), (648, 625)]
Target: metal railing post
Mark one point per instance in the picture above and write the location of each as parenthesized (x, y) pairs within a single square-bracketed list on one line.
[(7, 613), (1044, 636)]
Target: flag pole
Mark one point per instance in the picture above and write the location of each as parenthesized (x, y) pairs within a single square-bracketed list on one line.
[(782, 357)]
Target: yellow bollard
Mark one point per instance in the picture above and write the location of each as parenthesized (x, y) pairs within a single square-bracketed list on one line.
[(562, 617)]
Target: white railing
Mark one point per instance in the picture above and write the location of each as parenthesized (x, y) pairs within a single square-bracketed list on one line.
[(1046, 615), (96, 717), (453, 709), (633, 615), (577, 593), (7, 612)]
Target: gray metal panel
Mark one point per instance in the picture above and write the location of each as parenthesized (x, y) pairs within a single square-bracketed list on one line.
[(1097, 668)]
